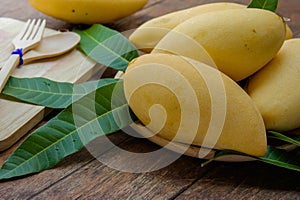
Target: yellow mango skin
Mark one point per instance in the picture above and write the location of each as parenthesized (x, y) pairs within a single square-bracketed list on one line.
[(151, 32), (88, 11), (289, 33), (240, 41), (275, 89), (184, 46), (243, 129)]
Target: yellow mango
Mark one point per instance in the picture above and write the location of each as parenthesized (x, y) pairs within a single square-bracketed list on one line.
[(151, 32), (275, 89), (184, 46), (193, 103), (289, 33), (88, 11), (240, 41)]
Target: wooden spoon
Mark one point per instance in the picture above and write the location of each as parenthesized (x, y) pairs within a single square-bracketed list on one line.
[(52, 46)]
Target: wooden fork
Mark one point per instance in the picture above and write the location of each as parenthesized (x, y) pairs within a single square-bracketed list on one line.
[(29, 37)]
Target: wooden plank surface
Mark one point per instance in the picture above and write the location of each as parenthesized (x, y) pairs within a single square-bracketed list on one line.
[(81, 176)]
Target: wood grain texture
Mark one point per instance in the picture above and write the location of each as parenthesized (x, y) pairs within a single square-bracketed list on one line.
[(245, 181), (97, 181), (82, 176), (28, 186)]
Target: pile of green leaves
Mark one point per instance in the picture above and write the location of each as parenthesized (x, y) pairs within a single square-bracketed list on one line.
[(88, 111)]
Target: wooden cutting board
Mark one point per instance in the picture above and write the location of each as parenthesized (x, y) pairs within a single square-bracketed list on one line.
[(17, 118)]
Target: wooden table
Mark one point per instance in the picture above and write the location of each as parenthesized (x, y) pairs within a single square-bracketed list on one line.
[(84, 177)]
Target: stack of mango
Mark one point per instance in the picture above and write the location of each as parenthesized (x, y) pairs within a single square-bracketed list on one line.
[(188, 87)]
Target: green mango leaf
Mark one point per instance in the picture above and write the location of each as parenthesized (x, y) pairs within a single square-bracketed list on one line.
[(51, 94), (274, 156), (98, 113), (107, 46), (281, 158), (290, 139), (264, 4)]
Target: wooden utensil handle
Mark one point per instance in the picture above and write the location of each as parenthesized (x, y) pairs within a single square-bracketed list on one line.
[(8, 69)]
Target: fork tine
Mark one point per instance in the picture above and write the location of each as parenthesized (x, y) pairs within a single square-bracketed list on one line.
[(29, 30), (41, 29), (24, 30), (35, 29)]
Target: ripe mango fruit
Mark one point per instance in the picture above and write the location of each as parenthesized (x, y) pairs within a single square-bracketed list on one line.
[(240, 41), (275, 88), (88, 11), (289, 33), (192, 103), (184, 46), (151, 32)]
